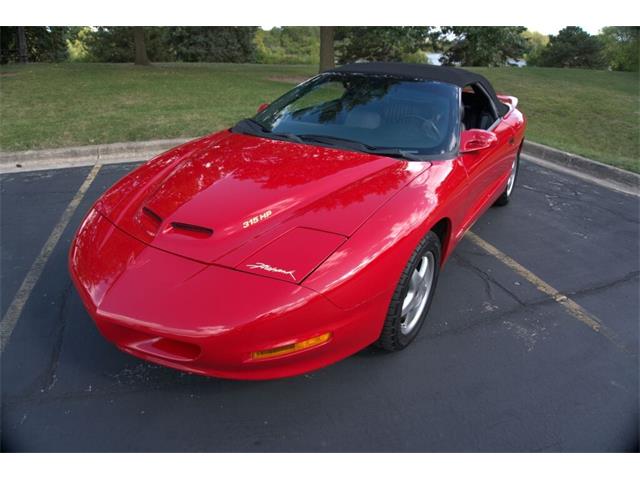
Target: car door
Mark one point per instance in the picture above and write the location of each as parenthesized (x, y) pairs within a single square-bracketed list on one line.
[(486, 169), (503, 154)]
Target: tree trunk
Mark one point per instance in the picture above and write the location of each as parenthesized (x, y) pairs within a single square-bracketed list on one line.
[(141, 49), (327, 61), (23, 56)]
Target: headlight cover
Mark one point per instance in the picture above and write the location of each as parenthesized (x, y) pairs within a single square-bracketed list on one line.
[(292, 256)]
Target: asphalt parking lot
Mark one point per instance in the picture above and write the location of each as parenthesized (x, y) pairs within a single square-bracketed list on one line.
[(500, 366)]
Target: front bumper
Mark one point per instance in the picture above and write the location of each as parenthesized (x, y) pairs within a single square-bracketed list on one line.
[(203, 318)]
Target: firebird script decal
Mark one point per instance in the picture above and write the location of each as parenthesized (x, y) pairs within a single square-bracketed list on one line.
[(269, 268), (256, 219)]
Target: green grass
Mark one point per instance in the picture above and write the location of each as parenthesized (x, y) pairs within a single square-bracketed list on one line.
[(55, 105), (592, 113)]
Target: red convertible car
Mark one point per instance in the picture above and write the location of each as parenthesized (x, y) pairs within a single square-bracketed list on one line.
[(303, 234)]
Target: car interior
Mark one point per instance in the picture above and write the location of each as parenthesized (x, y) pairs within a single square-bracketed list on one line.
[(406, 115), (409, 122), (478, 112)]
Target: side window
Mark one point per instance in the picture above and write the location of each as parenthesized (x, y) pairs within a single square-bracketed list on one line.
[(478, 109)]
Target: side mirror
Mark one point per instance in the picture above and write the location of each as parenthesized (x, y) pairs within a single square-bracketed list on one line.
[(476, 139), (262, 107)]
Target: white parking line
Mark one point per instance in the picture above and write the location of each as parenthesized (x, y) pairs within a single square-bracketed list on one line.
[(10, 318)]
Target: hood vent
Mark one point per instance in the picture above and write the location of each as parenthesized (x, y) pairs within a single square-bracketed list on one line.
[(153, 222), (152, 215), (193, 230), (150, 220)]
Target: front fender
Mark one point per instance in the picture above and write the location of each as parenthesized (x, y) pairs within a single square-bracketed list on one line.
[(370, 263)]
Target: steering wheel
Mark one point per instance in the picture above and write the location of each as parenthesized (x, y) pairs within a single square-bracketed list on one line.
[(428, 126)]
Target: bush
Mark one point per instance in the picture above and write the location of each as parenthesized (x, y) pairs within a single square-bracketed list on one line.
[(288, 45)]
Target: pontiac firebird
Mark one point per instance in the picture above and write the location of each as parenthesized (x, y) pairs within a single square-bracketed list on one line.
[(304, 234)]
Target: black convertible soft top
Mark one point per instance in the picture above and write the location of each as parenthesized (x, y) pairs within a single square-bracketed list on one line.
[(455, 76)]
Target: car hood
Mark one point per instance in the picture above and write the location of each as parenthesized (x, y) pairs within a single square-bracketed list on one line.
[(224, 196)]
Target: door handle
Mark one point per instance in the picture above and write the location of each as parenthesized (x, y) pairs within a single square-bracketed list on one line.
[(512, 140)]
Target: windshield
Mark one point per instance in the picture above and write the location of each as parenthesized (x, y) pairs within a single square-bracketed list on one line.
[(366, 112)]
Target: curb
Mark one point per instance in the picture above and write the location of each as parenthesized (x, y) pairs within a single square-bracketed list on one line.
[(582, 164), (124, 152)]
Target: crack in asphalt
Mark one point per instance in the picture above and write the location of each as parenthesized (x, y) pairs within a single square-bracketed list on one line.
[(528, 307), (573, 198), (581, 291), (606, 285), (48, 378), (488, 280), (531, 306), (118, 390)]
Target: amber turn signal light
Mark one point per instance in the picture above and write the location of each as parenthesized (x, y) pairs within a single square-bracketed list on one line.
[(292, 347)]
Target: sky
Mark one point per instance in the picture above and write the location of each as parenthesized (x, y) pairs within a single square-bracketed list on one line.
[(546, 28), (552, 29)]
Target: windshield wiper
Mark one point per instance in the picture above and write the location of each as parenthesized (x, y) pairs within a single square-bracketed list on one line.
[(363, 147), (256, 127), (286, 136), (329, 140), (251, 124), (397, 152)]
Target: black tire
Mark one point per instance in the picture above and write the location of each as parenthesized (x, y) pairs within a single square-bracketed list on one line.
[(506, 195), (392, 337)]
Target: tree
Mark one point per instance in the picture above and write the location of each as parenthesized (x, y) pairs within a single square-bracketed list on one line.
[(117, 44), (379, 43), (572, 48), (536, 42), (621, 47), (141, 50), (167, 44), (109, 44), (327, 60), (23, 57), (212, 44), (77, 44), (480, 46), (33, 44)]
